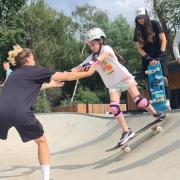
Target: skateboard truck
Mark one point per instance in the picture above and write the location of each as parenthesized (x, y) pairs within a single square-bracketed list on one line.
[(152, 71)]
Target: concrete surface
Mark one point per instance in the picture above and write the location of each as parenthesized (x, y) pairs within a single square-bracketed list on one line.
[(78, 143)]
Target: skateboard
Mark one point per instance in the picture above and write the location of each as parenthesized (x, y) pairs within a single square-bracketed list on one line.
[(156, 87), (155, 127)]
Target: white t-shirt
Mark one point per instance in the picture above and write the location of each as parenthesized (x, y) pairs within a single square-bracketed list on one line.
[(110, 70), (176, 44)]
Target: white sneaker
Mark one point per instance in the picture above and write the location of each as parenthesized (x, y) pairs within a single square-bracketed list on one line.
[(126, 136), (160, 116), (168, 107)]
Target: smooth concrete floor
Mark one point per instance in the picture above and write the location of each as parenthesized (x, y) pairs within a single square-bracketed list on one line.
[(78, 143)]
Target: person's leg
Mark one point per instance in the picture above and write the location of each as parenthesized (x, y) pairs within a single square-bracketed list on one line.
[(164, 67), (35, 132), (142, 102), (43, 156), (167, 92), (116, 111), (4, 128)]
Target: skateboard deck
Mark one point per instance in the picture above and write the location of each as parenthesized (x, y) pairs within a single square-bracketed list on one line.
[(155, 126), (156, 87)]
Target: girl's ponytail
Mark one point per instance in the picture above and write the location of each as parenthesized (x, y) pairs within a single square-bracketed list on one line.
[(119, 57)]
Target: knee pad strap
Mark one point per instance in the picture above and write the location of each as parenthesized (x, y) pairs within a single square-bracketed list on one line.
[(115, 109), (141, 101)]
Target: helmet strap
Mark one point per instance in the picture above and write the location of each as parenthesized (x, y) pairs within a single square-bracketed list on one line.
[(100, 45)]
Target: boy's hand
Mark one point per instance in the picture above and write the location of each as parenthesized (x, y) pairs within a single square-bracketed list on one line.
[(86, 66), (154, 62), (91, 70), (56, 84), (52, 84)]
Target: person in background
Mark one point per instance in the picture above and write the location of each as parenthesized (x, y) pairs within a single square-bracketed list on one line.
[(150, 41), (176, 46), (6, 67)]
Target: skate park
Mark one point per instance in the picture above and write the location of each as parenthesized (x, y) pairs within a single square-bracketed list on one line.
[(78, 143), (55, 35)]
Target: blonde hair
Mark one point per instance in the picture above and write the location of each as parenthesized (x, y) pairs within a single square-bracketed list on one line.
[(13, 53), (17, 56)]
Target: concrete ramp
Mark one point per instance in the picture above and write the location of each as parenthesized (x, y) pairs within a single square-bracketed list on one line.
[(78, 143)]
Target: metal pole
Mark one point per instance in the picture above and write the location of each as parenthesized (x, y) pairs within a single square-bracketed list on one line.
[(77, 81)]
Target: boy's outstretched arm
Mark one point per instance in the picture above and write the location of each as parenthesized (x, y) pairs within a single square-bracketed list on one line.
[(70, 76), (52, 84)]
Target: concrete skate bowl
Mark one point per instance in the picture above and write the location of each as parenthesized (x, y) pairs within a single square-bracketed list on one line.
[(78, 143)]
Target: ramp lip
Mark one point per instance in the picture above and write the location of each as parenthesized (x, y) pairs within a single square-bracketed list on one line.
[(106, 116)]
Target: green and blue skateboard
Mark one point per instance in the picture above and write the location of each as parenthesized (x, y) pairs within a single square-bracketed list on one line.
[(156, 87)]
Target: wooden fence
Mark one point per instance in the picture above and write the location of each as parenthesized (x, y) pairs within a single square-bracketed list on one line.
[(174, 81), (87, 108)]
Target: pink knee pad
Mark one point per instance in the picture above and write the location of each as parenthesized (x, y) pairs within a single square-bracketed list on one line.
[(115, 109), (141, 102)]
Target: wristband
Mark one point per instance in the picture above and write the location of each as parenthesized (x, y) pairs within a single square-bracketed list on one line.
[(148, 58), (94, 59), (161, 54)]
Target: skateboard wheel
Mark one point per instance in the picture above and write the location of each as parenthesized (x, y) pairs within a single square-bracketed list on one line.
[(127, 149), (156, 129), (159, 128)]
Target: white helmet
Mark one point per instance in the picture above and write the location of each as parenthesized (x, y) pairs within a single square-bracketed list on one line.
[(92, 34), (141, 12)]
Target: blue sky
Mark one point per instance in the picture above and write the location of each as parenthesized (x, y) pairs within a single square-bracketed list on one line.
[(113, 7)]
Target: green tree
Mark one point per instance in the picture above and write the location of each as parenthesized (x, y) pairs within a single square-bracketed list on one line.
[(49, 34), (87, 16), (120, 37), (8, 11), (11, 31), (168, 12), (52, 39)]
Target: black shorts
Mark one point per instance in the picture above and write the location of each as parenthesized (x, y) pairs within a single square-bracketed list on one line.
[(26, 132)]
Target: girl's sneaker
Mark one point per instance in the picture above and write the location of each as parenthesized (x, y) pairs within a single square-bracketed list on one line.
[(160, 116), (168, 106), (126, 136)]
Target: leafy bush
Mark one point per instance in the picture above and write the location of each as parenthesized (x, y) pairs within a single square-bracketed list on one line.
[(42, 104), (85, 95), (65, 102)]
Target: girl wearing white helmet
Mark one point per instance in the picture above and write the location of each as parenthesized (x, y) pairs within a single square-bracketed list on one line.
[(115, 77), (176, 46), (150, 41)]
